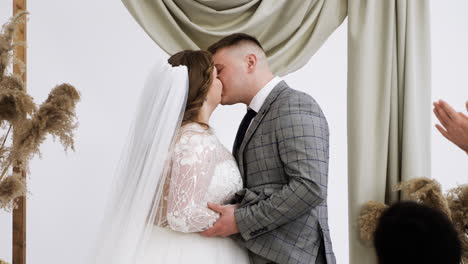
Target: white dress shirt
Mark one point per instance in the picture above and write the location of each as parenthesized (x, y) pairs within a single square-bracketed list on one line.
[(261, 95)]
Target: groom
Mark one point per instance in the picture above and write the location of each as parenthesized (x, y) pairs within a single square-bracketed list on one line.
[(282, 149)]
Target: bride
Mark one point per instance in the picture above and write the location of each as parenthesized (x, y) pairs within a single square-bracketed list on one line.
[(172, 166)]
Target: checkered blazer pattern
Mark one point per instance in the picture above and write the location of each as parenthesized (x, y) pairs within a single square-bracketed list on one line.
[(283, 161)]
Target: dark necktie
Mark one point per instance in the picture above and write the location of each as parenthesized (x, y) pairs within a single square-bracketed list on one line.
[(244, 125)]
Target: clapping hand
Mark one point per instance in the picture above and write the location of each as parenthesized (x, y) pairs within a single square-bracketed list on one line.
[(454, 124)]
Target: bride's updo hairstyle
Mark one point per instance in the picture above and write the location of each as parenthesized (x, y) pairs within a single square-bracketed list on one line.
[(200, 69)]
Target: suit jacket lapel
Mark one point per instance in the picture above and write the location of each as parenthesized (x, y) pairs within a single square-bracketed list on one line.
[(256, 122)]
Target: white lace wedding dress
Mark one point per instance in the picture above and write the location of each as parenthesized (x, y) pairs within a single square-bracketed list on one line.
[(202, 170)]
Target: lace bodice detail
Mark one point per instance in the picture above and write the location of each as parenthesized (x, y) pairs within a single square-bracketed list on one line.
[(202, 170)]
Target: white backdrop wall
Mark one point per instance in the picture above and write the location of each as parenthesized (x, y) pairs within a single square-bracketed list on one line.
[(99, 48), (449, 82)]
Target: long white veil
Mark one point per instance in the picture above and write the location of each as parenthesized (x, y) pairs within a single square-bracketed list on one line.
[(142, 170)]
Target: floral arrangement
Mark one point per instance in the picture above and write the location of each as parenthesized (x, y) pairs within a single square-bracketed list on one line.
[(25, 124)]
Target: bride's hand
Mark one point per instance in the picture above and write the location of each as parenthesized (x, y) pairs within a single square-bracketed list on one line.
[(226, 224)]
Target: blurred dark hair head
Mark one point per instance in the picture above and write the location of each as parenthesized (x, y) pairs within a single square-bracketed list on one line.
[(409, 232)]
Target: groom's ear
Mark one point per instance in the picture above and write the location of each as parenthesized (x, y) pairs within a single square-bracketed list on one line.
[(251, 62)]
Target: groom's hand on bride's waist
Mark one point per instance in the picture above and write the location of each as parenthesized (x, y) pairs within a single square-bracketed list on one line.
[(226, 224)]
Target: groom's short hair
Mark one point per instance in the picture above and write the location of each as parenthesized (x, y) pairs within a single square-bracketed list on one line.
[(234, 40)]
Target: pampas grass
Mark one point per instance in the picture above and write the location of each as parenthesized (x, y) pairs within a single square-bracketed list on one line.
[(28, 125), (457, 199), (368, 219), (55, 116), (10, 188), (7, 43), (426, 191), (6, 40), (15, 103)]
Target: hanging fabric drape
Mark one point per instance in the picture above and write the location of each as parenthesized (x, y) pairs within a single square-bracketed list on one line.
[(389, 111), (291, 31)]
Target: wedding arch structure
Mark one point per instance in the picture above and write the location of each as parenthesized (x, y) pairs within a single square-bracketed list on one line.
[(19, 213)]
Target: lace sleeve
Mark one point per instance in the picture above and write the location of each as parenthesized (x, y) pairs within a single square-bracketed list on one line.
[(192, 170)]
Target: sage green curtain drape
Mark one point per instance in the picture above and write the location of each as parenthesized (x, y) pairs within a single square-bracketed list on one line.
[(389, 111), (388, 74), (291, 31)]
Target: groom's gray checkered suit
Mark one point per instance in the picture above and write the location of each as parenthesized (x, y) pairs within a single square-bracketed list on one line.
[(283, 161)]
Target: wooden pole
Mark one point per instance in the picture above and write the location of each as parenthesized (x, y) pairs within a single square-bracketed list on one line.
[(19, 214)]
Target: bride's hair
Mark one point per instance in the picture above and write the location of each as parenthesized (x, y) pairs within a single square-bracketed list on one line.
[(200, 68)]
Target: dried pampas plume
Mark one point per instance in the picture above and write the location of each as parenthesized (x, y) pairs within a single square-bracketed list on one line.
[(7, 43), (10, 188), (457, 199), (15, 103), (368, 219), (426, 191), (55, 116), (27, 124)]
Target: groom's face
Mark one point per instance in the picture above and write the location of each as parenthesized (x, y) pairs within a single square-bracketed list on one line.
[(231, 73)]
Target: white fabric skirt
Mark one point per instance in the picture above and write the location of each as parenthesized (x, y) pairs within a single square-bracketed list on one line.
[(170, 247)]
